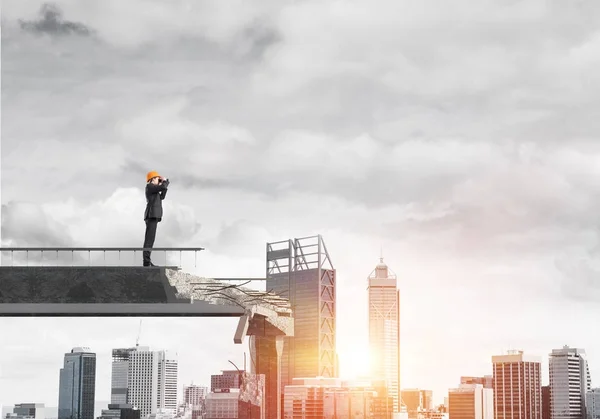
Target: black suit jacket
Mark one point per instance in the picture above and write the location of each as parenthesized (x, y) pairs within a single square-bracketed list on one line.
[(154, 197)]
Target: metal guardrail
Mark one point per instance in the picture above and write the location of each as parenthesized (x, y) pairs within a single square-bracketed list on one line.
[(89, 250)]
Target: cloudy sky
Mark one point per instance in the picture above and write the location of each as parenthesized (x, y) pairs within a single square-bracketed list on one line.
[(462, 136)]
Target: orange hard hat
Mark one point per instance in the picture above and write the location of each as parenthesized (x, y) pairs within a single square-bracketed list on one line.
[(151, 175)]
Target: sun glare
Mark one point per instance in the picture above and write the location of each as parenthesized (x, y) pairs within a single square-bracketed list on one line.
[(354, 362)]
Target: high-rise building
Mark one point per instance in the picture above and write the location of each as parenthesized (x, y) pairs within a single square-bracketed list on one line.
[(569, 382), (120, 372), (77, 385), (301, 270), (28, 411), (517, 386), (167, 382), (151, 380), (545, 402), (471, 401), (592, 403), (384, 329), (227, 379)]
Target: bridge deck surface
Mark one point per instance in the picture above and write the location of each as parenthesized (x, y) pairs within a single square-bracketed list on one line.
[(98, 291)]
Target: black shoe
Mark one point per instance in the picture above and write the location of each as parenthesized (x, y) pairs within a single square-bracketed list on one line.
[(149, 264)]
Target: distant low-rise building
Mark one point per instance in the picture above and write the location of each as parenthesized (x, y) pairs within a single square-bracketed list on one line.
[(227, 379), (333, 398), (471, 401), (28, 411), (223, 404), (412, 398), (162, 414), (434, 414), (120, 411), (245, 402), (194, 398)]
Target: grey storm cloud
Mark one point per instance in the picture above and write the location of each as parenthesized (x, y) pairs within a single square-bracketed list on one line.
[(26, 223), (580, 277), (51, 22)]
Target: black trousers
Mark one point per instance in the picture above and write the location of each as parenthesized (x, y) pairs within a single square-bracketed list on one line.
[(151, 224)]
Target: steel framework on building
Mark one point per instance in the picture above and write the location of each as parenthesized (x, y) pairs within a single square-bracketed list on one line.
[(284, 258)]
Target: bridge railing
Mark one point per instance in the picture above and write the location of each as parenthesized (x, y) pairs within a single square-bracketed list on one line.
[(93, 256)]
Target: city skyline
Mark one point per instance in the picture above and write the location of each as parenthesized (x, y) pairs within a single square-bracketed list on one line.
[(468, 151), (437, 395), (506, 366)]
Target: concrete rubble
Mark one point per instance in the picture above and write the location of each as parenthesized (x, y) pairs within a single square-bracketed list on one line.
[(274, 309)]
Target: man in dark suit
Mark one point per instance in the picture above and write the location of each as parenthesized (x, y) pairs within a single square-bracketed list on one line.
[(156, 191)]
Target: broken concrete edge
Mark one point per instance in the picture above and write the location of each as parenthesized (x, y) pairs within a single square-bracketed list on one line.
[(170, 290), (216, 292), (196, 288)]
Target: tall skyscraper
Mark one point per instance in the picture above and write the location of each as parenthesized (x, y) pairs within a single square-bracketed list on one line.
[(471, 401), (120, 372), (77, 385), (167, 382), (592, 403), (384, 329), (517, 386), (144, 379), (152, 381), (569, 382), (301, 270)]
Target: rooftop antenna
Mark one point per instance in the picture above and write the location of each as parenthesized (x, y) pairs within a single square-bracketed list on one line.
[(137, 341), (381, 254)]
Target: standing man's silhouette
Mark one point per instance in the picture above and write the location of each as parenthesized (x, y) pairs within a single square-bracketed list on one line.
[(156, 191)]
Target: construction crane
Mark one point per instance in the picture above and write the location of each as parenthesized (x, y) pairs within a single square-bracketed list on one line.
[(137, 341)]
